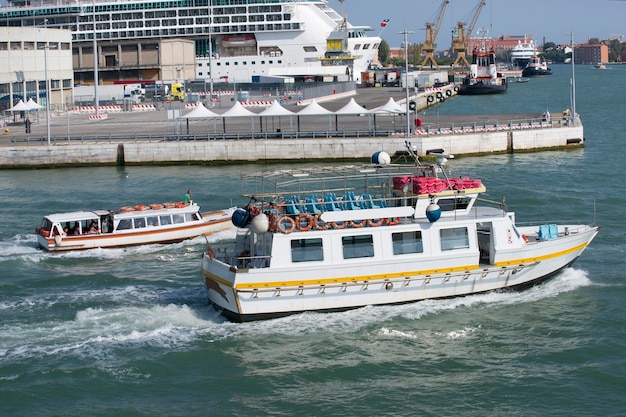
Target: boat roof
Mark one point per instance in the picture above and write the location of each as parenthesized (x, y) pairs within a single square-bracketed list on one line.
[(88, 215), (76, 216)]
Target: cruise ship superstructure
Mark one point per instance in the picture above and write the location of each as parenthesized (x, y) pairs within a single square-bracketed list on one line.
[(234, 41), (522, 52)]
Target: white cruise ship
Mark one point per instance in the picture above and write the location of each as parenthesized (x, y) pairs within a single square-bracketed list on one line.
[(522, 52), (239, 40)]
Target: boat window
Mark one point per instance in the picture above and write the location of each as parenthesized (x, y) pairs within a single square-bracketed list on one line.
[(46, 224), (455, 238), (306, 250), (407, 242), (140, 222), (178, 218), (152, 221), (450, 204), (124, 224), (165, 220), (189, 217), (360, 246)]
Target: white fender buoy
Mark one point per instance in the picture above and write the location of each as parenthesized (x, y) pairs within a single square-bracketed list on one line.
[(433, 212), (57, 240), (260, 223)]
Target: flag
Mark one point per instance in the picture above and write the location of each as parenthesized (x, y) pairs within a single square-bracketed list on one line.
[(384, 23)]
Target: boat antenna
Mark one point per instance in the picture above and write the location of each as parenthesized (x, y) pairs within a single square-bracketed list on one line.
[(412, 151)]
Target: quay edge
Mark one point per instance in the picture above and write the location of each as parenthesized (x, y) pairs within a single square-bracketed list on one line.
[(104, 153)]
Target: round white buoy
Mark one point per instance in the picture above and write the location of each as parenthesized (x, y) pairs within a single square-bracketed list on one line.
[(433, 212), (381, 158), (260, 223)]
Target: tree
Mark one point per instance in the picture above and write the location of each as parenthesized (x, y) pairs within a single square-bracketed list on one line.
[(615, 50), (383, 52), (593, 41)]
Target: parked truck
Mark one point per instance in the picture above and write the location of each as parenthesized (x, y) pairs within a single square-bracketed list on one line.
[(109, 94), (177, 92)]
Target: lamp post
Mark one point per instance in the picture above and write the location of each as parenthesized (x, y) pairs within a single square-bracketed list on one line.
[(95, 60), (45, 66), (406, 33)]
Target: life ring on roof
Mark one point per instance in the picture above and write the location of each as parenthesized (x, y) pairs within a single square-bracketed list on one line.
[(430, 98), (126, 209), (169, 205), (180, 204), (156, 206), (141, 207), (286, 225)]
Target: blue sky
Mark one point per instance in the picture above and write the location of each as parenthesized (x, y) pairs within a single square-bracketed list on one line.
[(549, 19)]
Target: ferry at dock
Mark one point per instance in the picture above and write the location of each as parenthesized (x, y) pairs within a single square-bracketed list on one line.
[(337, 238), (129, 226)]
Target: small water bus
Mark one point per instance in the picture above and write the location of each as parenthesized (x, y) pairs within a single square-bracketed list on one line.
[(128, 226), (336, 238), (537, 66)]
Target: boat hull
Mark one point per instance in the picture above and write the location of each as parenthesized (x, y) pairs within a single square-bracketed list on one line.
[(535, 72), (479, 89), (252, 294)]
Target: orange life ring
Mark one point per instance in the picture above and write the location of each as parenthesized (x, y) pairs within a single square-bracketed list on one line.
[(156, 206), (169, 205), (358, 224), (525, 238), (141, 207), (392, 222), (372, 223), (287, 227), (308, 222), (180, 204), (319, 223), (337, 225), (126, 209)]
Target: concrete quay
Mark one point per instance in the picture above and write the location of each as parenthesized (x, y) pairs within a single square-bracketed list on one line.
[(151, 138)]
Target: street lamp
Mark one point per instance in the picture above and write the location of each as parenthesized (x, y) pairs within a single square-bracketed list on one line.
[(406, 76), (45, 66)]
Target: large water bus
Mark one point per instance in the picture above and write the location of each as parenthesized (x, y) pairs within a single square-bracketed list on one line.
[(336, 238), (128, 226)]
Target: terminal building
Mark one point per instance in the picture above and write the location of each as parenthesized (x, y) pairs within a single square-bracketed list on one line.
[(28, 57)]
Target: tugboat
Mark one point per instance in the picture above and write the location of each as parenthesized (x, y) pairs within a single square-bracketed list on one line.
[(483, 77), (327, 239), (537, 66)]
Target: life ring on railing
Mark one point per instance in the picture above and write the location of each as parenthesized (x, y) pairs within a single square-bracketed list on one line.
[(448, 93), (308, 222), (337, 225), (357, 224), (180, 204), (156, 206), (319, 223), (525, 238), (372, 223), (126, 209), (430, 98), (392, 222), (141, 207), (286, 225)]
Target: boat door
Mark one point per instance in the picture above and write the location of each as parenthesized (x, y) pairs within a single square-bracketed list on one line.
[(484, 233)]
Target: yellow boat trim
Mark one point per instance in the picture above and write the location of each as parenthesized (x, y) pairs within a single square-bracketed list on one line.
[(353, 279), (544, 257)]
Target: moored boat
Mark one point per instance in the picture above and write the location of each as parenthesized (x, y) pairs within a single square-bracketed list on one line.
[(522, 52), (338, 238), (128, 226), (537, 66), (483, 77)]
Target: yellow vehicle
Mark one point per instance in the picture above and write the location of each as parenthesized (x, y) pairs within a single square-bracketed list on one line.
[(177, 92)]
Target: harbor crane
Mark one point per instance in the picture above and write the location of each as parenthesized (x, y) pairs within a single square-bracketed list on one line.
[(459, 42), (431, 35)]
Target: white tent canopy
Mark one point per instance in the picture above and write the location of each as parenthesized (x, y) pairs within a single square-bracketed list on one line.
[(314, 109), (200, 112), (276, 110), (237, 111), (33, 105), (352, 108), (20, 106), (390, 107)]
